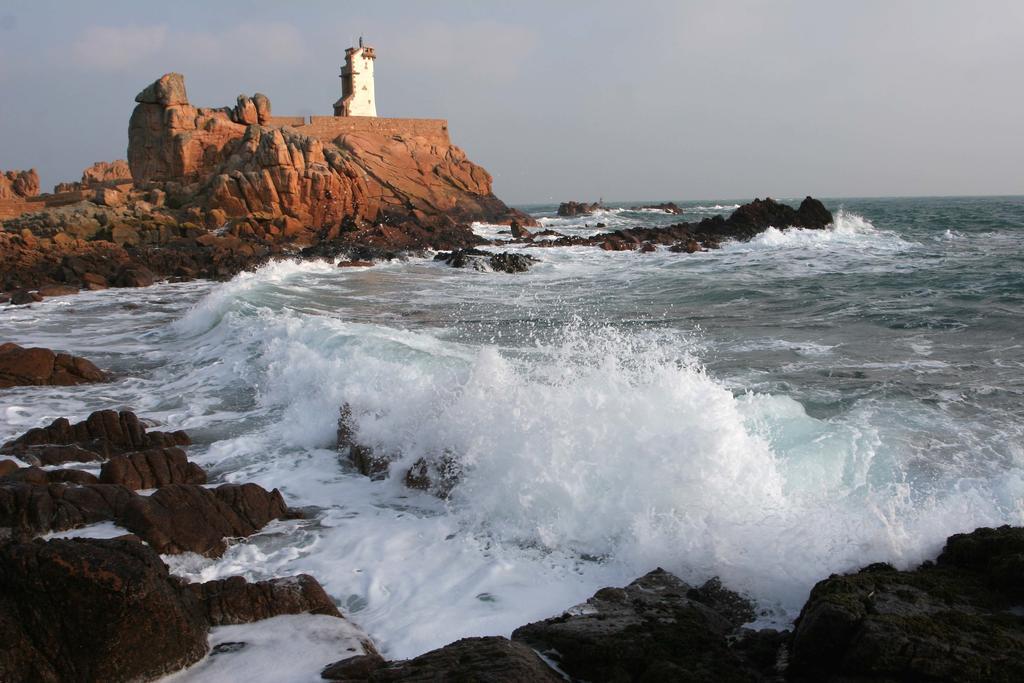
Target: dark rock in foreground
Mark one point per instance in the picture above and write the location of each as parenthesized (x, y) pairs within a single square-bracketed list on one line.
[(21, 366), (477, 259), (570, 209), (958, 619), (655, 629), (107, 610), (487, 660), (93, 611)]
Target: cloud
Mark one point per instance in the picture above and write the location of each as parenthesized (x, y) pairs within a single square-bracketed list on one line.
[(479, 48), (112, 48), (116, 48)]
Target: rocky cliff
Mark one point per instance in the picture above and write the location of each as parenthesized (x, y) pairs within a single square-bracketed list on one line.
[(232, 160)]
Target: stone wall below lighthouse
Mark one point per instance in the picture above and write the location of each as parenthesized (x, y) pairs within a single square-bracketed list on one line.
[(328, 128)]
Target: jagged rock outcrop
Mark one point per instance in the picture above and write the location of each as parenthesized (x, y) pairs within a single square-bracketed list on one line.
[(957, 619), (745, 222), (20, 366), (19, 184), (99, 174), (101, 435), (240, 166), (177, 518)]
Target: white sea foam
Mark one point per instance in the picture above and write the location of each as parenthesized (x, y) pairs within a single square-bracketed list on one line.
[(290, 648)]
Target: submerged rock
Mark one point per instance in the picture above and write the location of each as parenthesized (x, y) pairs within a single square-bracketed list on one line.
[(570, 209), (361, 456), (745, 222), (958, 619), (478, 259), (667, 207), (20, 366)]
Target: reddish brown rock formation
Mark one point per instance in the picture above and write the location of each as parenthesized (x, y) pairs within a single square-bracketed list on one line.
[(19, 184), (175, 519), (151, 469), (96, 610), (242, 167), (108, 610), (39, 367)]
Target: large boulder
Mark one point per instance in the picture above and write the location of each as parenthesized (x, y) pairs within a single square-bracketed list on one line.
[(236, 601), (104, 172), (107, 610), (657, 628), (151, 469), (177, 518), (958, 619), (186, 518), (20, 366), (92, 611), (167, 90)]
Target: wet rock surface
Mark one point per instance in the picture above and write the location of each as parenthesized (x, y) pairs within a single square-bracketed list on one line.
[(92, 610), (150, 469), (492, 660), (236, 601), (108, 610), (960, 618), (745, 222), (20, 366), (650, 630), (478, 259)]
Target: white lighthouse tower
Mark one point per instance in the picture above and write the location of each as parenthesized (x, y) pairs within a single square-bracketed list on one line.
[(357, 98)]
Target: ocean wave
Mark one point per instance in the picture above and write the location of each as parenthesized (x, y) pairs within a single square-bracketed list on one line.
[(610, 444)]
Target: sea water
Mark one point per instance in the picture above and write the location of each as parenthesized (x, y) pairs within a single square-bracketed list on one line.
[(770, 412)]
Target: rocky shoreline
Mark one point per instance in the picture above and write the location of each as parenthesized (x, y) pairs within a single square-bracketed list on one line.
[(102, 609)]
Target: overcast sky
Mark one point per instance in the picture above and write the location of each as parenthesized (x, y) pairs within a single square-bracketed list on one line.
[(566, 100)]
